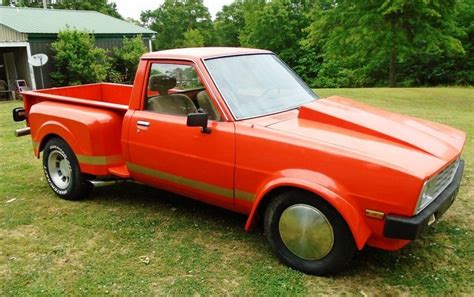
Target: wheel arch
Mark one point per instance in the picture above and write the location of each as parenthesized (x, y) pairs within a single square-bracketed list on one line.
[(359, 229), (47, 138), (50, 130)]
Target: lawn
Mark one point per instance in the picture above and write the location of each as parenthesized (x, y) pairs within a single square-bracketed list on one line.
[(130, 239)]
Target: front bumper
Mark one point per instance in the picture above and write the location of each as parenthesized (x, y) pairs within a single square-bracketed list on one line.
[(410, 228)]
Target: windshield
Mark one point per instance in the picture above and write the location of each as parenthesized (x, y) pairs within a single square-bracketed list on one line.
[(256, 85)]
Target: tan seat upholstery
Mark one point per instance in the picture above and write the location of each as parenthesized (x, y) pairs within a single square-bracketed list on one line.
[(206, 104), (175, 104)]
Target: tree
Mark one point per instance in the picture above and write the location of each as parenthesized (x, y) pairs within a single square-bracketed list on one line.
[(125, 59), (77, 59), (102, 6), (441, 67), (192, 38), (24, 3), (464, 65), (228, 24), (365, 42), (175, 17), (279, 27), (251, 13)]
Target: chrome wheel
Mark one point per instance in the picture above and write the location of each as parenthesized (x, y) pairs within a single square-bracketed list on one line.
[(59, 169), (306, 232)]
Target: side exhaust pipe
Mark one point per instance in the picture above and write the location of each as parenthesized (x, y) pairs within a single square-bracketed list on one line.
[(23, 132)]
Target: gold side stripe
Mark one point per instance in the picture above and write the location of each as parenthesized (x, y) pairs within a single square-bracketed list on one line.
[(205, 187), (99, 160), (241, 195)]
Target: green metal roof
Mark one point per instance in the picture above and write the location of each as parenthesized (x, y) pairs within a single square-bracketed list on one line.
[(51, 21)]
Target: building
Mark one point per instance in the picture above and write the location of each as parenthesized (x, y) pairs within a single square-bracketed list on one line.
[(28, 31)]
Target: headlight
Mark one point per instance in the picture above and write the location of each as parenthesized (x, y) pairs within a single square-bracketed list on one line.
[(426, 196), (435, 185)]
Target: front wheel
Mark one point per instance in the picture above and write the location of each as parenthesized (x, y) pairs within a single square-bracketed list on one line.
[(62, 171), (308, 234)]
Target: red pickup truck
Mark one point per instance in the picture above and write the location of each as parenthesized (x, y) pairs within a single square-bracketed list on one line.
[(237, 128)]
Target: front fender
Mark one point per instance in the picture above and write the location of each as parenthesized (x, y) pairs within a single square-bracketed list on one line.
[(323, 187)]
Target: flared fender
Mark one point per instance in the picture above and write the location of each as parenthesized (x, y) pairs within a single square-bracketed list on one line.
[(55, 128), (323, 187)]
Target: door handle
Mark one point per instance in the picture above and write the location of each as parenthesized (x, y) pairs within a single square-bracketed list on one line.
[(143, 123)]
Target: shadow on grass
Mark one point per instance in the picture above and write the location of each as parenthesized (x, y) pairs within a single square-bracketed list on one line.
[(140, 196), (136, 195)]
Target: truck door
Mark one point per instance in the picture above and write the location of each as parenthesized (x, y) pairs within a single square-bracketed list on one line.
[(168, 154)]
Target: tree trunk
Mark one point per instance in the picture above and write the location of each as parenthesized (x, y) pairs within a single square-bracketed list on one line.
[(393, 67), (393, 55)]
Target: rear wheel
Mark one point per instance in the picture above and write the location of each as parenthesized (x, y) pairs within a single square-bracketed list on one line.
[(62, 171), (308, 234)]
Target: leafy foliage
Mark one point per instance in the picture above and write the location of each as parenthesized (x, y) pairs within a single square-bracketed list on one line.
[(125, 58), (77, 59), (228, 24), (358, 43), (176, 17), (364, 42), (192, 38), (102, 6), (278, 26)]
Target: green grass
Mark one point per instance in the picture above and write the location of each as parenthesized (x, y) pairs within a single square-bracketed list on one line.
[(50, 246)]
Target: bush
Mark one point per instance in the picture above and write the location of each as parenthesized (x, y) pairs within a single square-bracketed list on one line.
[(77, 59), (125, 59)]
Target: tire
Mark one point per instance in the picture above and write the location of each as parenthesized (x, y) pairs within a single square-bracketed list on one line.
[(62, 171), (296, 213)]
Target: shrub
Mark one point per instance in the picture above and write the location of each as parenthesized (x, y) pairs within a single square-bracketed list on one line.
[(125, 59), (77, 59)]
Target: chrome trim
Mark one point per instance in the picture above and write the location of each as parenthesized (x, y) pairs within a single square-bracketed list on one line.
[(193, 62), (254, 54), (259, 52), (306, 232), (100, 183), (212, 92), (143, 123), (22, 131), (59, 169)]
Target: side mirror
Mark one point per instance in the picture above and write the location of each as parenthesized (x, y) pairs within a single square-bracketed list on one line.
[(198, 119), (19, 114)]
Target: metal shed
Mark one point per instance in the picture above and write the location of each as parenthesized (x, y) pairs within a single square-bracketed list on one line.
[(28, 31)]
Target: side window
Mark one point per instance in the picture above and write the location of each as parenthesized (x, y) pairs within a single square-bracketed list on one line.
[(176, 89)]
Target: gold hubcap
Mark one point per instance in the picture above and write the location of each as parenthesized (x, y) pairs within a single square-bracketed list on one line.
[(306, 232)]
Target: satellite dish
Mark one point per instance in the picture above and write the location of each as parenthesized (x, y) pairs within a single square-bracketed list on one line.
[(38, 60)]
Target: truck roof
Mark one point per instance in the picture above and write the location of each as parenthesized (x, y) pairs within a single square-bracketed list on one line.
[(203, 52)]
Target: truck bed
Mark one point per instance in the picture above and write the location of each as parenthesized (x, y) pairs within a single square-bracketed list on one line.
[(103, 95)]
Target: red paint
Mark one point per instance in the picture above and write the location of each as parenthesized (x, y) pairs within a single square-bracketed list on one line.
[(355, 156)]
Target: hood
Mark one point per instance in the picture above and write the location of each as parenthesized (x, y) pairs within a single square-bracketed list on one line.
[(350, 124)]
